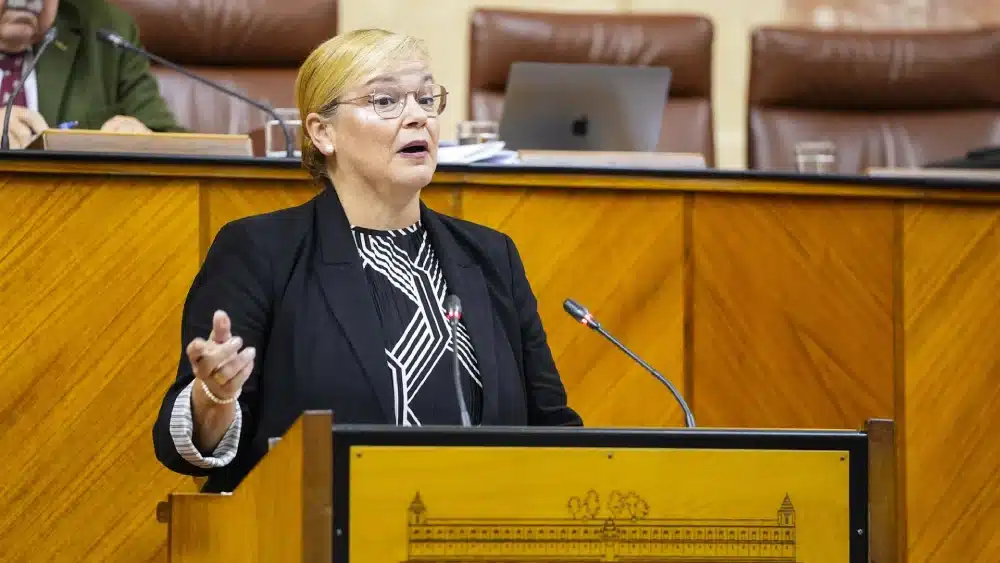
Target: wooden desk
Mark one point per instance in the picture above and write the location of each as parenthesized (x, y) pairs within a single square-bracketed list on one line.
[(772, 301)]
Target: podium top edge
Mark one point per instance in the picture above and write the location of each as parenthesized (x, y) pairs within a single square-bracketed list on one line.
[(350, 435), (591, 430)]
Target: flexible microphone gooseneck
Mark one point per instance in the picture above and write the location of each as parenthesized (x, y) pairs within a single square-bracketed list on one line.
[(582, 315), (48, 39), (453, 312), (118, 41)]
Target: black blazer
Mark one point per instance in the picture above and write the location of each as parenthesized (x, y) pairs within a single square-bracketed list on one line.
[(293, 285)]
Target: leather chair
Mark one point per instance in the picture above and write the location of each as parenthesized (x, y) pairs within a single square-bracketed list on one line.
[(254, 47), (683, 43), (886, 99)]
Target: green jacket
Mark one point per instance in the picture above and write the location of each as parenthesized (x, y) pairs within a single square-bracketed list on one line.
[(82, 78)]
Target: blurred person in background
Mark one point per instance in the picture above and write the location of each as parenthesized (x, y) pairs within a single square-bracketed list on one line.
[(339, 304), (80, 81)]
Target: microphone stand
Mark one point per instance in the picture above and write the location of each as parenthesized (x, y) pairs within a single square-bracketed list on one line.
[(582, 315), (119, 41), (50, 37)]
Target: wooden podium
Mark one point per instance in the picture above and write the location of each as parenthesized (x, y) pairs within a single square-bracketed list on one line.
[(378, 494)]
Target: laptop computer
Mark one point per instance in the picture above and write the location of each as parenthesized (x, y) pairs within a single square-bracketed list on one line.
[(584, 107)]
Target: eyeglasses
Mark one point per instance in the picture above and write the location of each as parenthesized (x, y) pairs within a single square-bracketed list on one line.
[(389, 102)]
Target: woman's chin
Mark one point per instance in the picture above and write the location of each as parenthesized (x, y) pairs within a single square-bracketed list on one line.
[(414, 175)]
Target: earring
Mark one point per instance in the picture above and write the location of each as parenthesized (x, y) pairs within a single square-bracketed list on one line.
[(329, 149)]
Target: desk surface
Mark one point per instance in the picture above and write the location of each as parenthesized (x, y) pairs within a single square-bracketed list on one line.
[(933, 186)]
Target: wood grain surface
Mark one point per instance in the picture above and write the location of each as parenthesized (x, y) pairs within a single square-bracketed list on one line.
[(91, 270), (951, 386), (792, 311), (283, 508), (619, 253), (769, 303)]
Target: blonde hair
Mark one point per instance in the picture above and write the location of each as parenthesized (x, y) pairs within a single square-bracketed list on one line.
[(342, 63)]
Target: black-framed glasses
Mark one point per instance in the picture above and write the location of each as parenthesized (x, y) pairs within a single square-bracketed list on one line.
[(388, 102)]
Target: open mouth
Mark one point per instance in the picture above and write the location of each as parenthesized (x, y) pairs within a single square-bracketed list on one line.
[(415, 148)]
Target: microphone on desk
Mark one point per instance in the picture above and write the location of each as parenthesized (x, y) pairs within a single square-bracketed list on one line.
[(47, 39), (453, 312), (582, 315), (118, 41)]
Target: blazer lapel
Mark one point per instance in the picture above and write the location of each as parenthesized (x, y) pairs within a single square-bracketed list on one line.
[(345, 287), (53, 73), (465, 279)]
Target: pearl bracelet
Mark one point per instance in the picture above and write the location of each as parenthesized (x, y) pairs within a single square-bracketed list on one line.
[(216, 400)]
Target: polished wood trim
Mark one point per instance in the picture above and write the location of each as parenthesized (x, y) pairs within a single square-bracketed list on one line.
[(238, 169), (721, 184), (718, 181), (688, 310), (898, 550), (282, 511), (317, 487), (884, 519)]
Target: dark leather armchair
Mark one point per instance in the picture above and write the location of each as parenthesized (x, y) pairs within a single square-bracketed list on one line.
[(887, 99), (255, 47), (683, 43)]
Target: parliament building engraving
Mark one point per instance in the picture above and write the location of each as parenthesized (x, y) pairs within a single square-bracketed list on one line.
[(617, 528)]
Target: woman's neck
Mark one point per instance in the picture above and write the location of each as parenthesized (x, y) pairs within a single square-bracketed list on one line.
[(375, 209)]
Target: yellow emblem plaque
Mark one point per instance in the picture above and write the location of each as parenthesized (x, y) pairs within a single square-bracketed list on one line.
[(527, 504)]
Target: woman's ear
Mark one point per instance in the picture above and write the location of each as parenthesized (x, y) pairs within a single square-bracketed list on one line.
[(321, 133)]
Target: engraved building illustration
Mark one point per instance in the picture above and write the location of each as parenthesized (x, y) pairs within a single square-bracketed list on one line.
[(620, 529)]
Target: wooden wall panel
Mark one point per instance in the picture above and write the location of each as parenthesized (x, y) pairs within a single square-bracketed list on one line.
[(225, 201), (792, 311), (619, 253), (88, 343), (951, 421), (785, 304)]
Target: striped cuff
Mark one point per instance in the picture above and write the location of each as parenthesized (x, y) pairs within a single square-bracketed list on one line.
[(182, 432)]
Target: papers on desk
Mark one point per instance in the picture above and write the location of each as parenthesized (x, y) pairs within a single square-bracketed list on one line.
[(494, 153), (483, 153)]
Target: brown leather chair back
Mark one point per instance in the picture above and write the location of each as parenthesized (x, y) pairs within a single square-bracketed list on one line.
[(683, 43), (887, 99), (254, 47)]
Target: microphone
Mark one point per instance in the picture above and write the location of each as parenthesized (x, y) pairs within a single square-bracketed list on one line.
[(118, 41), (453, 312), (582, 315), (47, 39)]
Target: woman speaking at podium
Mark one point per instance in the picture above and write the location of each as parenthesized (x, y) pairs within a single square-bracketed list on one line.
[(340, 303)]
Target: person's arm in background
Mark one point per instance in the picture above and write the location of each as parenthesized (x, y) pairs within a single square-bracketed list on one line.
[(138, 90), (547, 402)]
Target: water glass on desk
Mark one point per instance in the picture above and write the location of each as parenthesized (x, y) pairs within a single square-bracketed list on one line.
[(815, 157), (274, 137), (477, 132)]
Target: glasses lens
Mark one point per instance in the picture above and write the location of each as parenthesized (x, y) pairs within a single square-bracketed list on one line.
[(432, 98), (388, 104)]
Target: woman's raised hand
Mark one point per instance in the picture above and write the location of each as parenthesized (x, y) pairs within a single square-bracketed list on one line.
[(220, 362)]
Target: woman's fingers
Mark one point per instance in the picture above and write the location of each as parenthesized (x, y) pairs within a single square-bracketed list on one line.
[(236, 383), (208, 357), (221, 328), (229, 369), (218, 360), (195, 350)]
